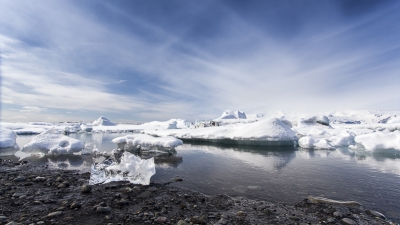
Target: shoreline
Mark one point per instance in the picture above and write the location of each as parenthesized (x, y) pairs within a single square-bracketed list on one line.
[(32, 194)]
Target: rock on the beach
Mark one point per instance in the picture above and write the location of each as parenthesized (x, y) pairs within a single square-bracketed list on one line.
[(20, 178), (375, 214), (161, 219), (86, 188), (103, 210), (347, 221), (54, 214)]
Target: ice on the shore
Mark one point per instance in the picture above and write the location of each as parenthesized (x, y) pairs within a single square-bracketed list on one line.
[(125, 167), (379, 141), (314, 143), (102, 121), (7, 138), (52, 142), (146, 142), (229, 114)]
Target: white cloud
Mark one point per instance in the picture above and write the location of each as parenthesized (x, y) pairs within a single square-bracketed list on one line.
[(32, 109)]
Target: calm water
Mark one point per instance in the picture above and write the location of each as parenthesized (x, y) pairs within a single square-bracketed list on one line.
[(273, 174)]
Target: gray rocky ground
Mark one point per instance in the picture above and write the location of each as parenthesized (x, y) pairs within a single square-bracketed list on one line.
[(31, 194)]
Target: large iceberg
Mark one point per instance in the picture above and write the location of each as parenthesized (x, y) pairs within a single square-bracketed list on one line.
[(263, 132), (52, 142), (123, 166), (229, 114), (146, 142), (379, 141), (102, 121), (7, 138)]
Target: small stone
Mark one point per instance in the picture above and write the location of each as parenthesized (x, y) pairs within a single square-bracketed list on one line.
[(54, 214), (59, 179), (13, 223), (240, 213), (103, 210), (375, 214), (294, 218), (17, 195), (39, 179), (28, 184), (177, 179), (2, 218), (20, 179), (182, 222), (347, 221), (337, 214), (161, 219), (86, 188), (75, 205), (23, 197)]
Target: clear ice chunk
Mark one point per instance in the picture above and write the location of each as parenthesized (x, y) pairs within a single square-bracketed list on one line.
[(123, 166)]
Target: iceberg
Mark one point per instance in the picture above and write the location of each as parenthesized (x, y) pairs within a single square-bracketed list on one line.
[(86, 127), (138, 142), (263, 132), (102, 121), (379, 141), (314, 143), (229, 114), (123, 166), (7, 138), (52, 142)]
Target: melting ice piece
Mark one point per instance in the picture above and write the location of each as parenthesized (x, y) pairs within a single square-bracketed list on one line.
[(89, 148), (52, 142), (123, 166)]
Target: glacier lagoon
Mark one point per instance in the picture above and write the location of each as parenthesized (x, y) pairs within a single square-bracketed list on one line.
[(273, 173)]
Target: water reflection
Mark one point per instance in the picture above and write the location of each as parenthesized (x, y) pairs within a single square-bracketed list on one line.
[(266, 157)]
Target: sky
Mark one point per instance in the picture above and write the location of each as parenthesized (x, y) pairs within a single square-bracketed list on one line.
[(137, 61)]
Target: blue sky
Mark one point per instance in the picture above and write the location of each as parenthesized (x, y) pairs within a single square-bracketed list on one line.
[(136, 61)]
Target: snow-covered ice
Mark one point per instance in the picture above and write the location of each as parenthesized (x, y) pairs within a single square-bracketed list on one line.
[(7, 138), (125, 167), (146, 142), (263, 132), (52, 142), (102, 121), (379, 141), (86, 127)]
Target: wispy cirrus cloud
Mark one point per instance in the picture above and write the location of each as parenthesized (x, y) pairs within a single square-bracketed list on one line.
[(206, 58)]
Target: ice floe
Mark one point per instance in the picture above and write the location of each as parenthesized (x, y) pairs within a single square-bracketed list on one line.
[(52, 142), (7, 138)]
